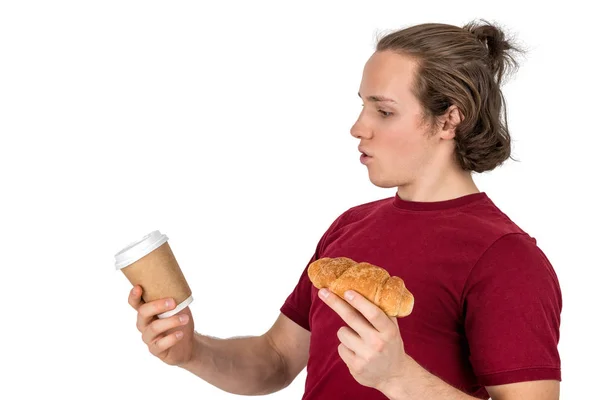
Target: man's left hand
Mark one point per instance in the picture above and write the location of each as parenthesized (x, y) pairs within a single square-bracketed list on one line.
[(371, 345)]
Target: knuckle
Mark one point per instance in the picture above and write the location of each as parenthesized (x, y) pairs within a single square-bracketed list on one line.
[(153, 347), (359, 368), (351, 318), (372, 315), (169, 324), (143, 311), (378, 346), (145, 339), (133, 299), (160, 306), (132, 302), (153, 328)]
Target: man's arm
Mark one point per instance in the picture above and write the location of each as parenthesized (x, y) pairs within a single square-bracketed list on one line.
[(417, 383), (256, 365), (542, 390)]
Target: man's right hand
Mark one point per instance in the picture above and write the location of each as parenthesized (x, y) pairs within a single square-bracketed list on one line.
[(161, 335)]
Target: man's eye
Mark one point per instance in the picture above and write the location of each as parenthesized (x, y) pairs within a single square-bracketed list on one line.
[(383, 113)]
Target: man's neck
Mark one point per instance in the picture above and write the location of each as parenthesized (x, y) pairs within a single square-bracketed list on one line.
[(446, 186)]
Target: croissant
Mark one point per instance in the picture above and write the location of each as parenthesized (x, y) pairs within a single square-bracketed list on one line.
[(340, 274)]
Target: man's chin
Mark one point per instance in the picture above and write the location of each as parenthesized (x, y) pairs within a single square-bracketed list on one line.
[(382, 182)]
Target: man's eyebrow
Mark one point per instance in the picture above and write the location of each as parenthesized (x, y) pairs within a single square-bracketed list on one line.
[(378, 98)]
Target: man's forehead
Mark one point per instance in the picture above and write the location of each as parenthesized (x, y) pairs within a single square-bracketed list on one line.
[(387, 75)]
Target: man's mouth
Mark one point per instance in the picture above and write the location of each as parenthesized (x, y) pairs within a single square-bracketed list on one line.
[(364, 153), (365, 158)]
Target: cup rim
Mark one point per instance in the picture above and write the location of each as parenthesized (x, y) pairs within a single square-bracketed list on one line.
[(139, 248)]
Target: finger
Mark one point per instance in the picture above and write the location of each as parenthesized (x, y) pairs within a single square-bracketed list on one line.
[(370, 311), (135, 297), (160, 326), (352, 341), (164, 343), (148, 311), (348, 313), (347, 355)]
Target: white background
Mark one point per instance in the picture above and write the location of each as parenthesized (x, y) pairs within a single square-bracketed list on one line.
[(226, 126)]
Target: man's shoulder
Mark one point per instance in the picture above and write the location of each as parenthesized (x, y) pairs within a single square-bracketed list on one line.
[(487, 219)]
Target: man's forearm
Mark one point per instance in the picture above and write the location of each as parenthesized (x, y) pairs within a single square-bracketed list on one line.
[(241, 365), (419, 384)]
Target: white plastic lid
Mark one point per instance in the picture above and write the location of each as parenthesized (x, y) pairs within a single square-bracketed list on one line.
[(138, 249)]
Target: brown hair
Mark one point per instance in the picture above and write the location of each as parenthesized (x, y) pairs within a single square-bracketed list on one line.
[(465, 67)]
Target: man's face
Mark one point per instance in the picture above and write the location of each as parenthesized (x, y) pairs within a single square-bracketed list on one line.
[(393, 133)]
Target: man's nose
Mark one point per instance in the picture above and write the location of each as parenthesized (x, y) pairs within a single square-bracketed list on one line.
[(358, 130)]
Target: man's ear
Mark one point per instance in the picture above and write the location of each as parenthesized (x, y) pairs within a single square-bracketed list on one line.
[(450, 120)]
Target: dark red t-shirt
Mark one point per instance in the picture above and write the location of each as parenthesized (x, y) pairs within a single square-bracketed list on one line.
[(487, 300)]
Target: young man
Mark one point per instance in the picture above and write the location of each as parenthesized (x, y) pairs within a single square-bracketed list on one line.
[(487, 301)]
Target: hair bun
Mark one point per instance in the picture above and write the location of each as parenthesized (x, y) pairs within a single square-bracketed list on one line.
[(493, 38), (497, 46)]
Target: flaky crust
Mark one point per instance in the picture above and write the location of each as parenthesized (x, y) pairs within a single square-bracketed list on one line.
[(341, 274)]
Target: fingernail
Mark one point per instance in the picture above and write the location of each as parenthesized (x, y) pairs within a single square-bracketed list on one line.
[(168, 303), (183, 318), (349, 295), (323, 293)]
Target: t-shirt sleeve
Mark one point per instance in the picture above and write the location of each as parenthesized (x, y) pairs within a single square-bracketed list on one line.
[(297, 305), (512, 304)]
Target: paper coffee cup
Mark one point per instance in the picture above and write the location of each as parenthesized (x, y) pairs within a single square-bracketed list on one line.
[(150, 263)]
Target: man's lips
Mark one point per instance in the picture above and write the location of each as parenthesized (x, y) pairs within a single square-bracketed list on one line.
[(364, 156), (363, 151)]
